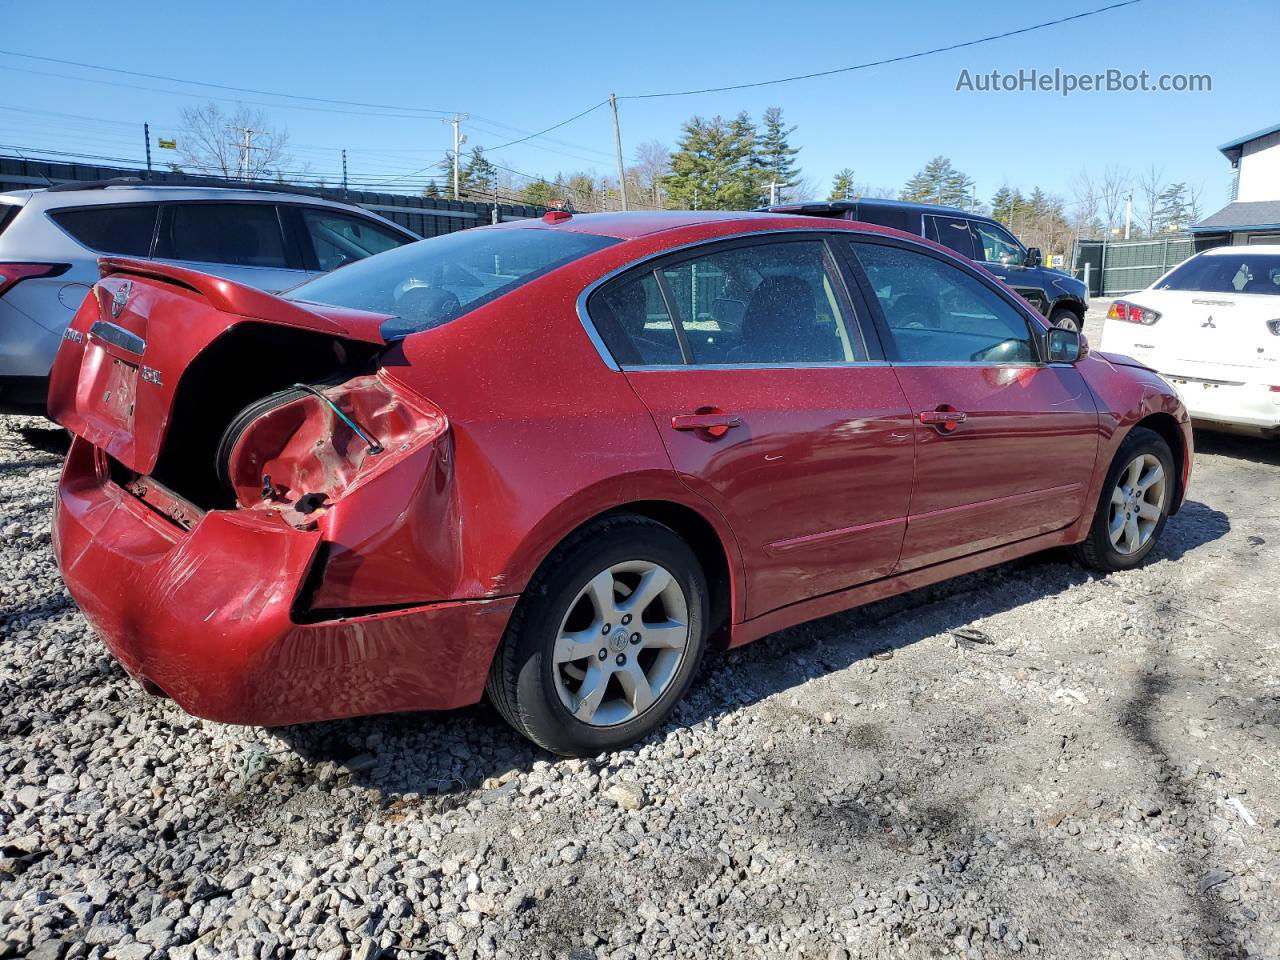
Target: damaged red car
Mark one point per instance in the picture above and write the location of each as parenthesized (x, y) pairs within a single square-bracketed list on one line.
[(558, 460)]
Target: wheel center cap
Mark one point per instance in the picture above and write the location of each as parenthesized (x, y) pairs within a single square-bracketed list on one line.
[(618, 642)]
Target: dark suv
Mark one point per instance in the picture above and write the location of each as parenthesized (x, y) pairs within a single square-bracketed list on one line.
[(1057, 295)]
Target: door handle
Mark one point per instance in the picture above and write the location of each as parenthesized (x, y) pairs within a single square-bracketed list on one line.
[(715, 424), (944, 418)]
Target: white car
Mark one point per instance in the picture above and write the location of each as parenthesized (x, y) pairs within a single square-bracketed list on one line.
[(1211, 327), (50, 241)]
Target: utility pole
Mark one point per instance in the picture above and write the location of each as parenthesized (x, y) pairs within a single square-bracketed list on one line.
[(773, 192), (617, 145), (458, 141), (344, 170), (146, 135), (246, 148), (1128, 214)]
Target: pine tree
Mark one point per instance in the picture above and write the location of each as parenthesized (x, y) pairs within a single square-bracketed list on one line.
[(480, 176), (712, 168), (939, 182), (431, 190), (842, 185), (1174, 211), (775, 155)]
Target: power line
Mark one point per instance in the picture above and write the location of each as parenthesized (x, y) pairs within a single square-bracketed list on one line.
[(217, 86), (881, 63), (210, 96)]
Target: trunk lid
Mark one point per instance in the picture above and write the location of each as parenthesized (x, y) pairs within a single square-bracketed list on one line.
[(120, 373), (1214, 336)]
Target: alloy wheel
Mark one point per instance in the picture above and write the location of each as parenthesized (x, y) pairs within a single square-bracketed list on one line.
[(621, 643), (1137, 504)]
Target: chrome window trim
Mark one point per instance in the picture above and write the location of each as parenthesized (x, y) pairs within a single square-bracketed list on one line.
[(817, 365), (594, 336)]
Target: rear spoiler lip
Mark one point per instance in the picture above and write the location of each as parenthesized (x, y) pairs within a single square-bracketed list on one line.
[(239, 300)]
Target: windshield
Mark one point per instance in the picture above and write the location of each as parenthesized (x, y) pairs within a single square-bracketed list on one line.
[(1242, 272), (428, 283)]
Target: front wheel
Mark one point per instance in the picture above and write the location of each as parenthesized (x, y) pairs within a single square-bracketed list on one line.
[(605, 640), (1066, 319), (1134, 505)]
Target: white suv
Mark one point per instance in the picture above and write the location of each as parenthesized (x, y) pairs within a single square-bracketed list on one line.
[(50, 241)]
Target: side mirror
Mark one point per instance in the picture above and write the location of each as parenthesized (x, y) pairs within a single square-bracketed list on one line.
[(1064, 346), (1033, 258)]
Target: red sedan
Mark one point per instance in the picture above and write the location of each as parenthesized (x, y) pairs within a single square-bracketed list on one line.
[(557, 460)]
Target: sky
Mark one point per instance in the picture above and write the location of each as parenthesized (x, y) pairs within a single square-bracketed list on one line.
[(519, 68)]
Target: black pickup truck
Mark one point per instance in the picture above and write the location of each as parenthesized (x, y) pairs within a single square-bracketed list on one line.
[(1059, 296)]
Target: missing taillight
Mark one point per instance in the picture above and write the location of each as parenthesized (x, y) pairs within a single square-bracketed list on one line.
[(299, 450)]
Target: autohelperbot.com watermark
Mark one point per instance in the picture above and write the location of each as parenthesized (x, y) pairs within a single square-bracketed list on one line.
[(1065, 83)]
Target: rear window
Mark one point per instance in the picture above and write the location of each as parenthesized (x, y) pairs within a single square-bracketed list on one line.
[(121, 230), (428, 283), (1227, 273), (240, 234)]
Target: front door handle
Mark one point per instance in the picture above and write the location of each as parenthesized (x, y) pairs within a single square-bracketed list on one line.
[(715, 424), (944, 418)]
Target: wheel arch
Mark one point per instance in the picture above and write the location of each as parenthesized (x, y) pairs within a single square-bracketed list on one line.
[(708, 536), (1171, 432)]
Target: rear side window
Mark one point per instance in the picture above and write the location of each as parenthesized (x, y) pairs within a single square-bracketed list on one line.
[(635, 310), (7, 212), (339, 239), (425, 284), (938, 313), (120, 230), (240, 234), (951, 232)]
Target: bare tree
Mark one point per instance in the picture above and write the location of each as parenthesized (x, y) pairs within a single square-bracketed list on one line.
[(653, 162), (1084, 205), (1112, 194), (1151, 185), (237, 143)]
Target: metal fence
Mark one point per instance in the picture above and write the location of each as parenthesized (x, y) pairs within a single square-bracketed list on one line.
[(1123, 266), (425, 216)]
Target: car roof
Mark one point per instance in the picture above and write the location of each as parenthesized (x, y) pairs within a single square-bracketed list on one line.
[(642, 223), (815, 206), (1238, 249), (101, 192)]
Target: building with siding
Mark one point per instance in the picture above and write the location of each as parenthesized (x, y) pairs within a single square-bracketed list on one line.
[(1253, 215)]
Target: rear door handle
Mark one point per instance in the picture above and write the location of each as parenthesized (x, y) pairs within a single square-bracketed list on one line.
[(944, 420), (716, 424)]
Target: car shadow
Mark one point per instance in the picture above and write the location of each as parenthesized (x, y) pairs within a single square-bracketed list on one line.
[(1256, 449), (448, 759)]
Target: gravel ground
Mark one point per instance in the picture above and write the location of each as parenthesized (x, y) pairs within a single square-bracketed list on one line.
[(1031, 760)]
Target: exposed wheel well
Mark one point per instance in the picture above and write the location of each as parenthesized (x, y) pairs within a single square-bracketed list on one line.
[(707, 547), (1167, 427), (1070, 306)]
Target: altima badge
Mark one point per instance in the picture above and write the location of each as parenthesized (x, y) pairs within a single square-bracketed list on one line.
[(120, 298)]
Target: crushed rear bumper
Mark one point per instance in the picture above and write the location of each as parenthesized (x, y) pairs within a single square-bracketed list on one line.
[(207, 614)]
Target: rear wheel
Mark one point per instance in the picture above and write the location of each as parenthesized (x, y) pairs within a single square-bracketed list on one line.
[(605, 640), (1134, 505)]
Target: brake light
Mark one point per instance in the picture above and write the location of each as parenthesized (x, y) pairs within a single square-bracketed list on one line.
[(12, 274), (1132, 313)]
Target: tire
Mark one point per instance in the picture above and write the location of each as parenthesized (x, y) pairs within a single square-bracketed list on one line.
[(1067, 319), (534, 681), (1100, 549)]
